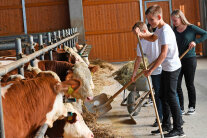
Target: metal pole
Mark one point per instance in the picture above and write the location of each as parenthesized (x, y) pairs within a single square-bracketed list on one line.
[(63, 31), (19, 54), (76, 40), (49, 43), (59, 38), (31, 48), (55, 39), (40, 41), (24, 16), (73, 40), (70, 42), (41, 132), (2, 131)]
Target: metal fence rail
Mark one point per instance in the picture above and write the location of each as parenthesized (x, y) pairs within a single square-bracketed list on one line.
[(9, 67)]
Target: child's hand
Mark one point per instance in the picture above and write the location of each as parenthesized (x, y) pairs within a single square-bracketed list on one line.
[(191, 45), (133, 78), (138, 32), (147, 73)]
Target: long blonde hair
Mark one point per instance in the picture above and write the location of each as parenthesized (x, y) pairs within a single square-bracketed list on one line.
[(179, 14)]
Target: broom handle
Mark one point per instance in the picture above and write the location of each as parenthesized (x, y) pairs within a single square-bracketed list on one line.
[(150, 86)]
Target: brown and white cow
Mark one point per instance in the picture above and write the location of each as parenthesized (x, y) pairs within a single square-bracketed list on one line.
[(74, 127), (28, 104), (59, 67)]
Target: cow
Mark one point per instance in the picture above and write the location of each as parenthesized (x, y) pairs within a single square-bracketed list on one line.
[(59, 67), (70, 127), (29, 103), (60, 55), (77, 71), (30, 72)]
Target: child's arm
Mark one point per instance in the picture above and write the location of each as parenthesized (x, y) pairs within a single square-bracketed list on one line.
[(136, 66), (159, 60), (147, 36)]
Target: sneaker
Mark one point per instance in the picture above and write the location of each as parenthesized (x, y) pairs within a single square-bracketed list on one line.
[(191, 111), (148, 103), (155, 124), (183, 112), (164, 129), (175, 134)]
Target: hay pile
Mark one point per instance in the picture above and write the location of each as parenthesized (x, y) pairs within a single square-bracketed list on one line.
[(99, 130), (102, 64), (124, 74), (101, 78)]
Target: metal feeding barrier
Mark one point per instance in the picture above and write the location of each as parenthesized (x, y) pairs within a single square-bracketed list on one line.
[(53, 42)]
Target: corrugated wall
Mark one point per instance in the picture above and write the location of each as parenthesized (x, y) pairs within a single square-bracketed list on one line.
[(108, 28), (47, 15), (10, 17), (108, 25), (42, 16)]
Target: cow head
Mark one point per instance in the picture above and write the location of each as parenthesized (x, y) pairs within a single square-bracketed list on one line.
[(75, 127)]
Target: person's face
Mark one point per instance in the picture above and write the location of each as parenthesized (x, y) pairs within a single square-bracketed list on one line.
[(176, 21), (153, 20)]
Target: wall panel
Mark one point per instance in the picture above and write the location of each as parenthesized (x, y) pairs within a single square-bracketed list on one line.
[(108, 25)]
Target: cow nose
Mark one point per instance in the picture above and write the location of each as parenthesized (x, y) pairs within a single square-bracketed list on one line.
[(89, 98), (92, 136)]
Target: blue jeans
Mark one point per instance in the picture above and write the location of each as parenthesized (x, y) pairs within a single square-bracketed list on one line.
[(156, 85)]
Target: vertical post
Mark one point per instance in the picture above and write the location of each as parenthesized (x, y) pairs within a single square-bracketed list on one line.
[(1, 116), (76, 17), (31, 48), (76, 38), (63, 31), (59, 38), (55, 39), (66, 35), (24, 16), (73, 40), (40, 41), (141, 10), (49, 43), (19, 54), (70, 41)]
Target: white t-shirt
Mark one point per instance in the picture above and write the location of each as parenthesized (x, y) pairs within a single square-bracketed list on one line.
[(166, 36), (151, 50)]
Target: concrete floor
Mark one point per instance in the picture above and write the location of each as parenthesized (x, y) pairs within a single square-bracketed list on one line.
[(195, 125)]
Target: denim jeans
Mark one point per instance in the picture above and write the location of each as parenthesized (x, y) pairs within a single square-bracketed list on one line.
[(156, 85), (188, 71), (168, 92)]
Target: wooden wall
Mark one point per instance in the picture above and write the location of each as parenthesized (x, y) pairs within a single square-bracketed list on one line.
[(42, 16), (108, 25)]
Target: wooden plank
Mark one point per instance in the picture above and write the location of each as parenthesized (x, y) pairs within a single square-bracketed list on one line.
[(39, 4), (103, 2), (10, 7), (47, 18), (107, 32)]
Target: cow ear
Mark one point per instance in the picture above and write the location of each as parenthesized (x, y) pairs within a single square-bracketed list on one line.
[(69, 87), (57, 87)]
